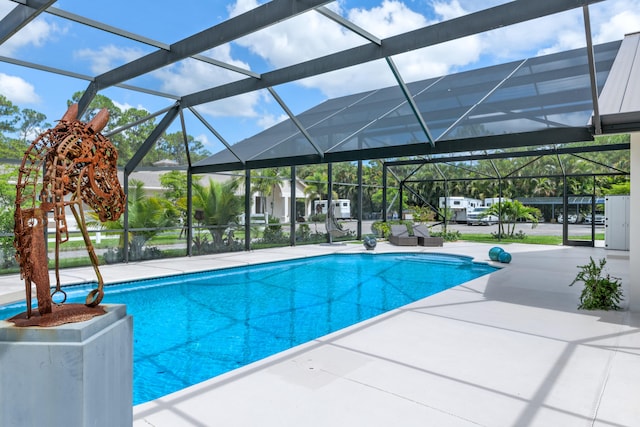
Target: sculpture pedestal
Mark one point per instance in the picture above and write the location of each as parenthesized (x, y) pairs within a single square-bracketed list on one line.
[(76, 374)]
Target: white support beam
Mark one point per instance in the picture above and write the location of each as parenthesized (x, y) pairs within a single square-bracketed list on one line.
[(634, 233)]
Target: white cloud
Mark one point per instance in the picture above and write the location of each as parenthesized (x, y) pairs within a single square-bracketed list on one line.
[(530, 38), (241, 6), (450, 10), (611, 21), (311, 35), (566, 39), (189, 76), (237, 106), (267, 120), (35, 34), (284, 44), (385, 20), (107, 57), (204, 138), (18, 90), (5, 8), (126, 106), (184, 77), (390, 18)]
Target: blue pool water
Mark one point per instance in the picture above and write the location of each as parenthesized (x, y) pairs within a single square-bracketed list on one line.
[(192, 327)]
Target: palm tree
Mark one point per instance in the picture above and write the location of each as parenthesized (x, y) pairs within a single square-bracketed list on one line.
[(510, 212), (264, 183), (174, 184), (316, 188), (147, 216), (543, 186), (345, 177), (220, 206), (372, 181)]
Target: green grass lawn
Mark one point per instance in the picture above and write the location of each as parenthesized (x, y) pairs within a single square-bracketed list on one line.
[(534, 240)]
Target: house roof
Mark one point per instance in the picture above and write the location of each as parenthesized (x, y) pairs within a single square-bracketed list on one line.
[(619, 102)]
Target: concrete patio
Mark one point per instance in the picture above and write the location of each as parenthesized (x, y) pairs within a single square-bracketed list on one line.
[(507, 349)]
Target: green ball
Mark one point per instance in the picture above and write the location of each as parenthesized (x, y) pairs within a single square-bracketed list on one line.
[(494, 253), (504, 257)]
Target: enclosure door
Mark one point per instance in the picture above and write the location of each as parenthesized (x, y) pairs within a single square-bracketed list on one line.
[(575, 230)]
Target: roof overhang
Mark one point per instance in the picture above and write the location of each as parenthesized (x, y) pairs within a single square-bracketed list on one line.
[(619, 101)]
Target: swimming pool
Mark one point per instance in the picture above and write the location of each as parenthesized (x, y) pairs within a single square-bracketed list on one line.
[(192, 327)]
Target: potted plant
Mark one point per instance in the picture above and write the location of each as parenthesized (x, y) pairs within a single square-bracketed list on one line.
[(601, 290)]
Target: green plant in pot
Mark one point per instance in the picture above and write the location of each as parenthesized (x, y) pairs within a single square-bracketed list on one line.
[(601, 291)]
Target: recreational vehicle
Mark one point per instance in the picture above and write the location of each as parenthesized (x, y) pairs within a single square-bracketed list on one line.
[(341, 209), (458, 206), (493, 200)]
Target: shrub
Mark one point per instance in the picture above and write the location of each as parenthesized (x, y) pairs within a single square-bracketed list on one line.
[(274, 234), (449, 236), (519, 235), (318, 218), (383, 229), (380, 229), (423, 214), (136, 253), (303, 232), (601, 291)]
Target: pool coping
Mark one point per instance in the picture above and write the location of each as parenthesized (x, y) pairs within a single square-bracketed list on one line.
[(378, 372)]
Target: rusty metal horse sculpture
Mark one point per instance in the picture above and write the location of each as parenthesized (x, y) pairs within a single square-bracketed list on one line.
[(78, 164)]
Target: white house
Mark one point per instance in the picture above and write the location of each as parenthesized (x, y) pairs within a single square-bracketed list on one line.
[(277, 204)]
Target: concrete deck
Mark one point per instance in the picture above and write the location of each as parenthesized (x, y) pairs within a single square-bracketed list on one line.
[(508, 349)]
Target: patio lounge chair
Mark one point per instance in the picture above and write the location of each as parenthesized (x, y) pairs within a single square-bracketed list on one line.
[(333, 227), (424, 238), (400, 236)]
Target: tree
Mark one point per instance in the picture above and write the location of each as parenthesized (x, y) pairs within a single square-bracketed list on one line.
[(147, 217), (345, 176), (27, 125), (31, 124), (175, 184), (264, 183), (620, 188), (220, 206), (511, 211), (7, 207), (129, 140), (97, 103), (9, 147), (372, 182), (148, 214), (172, 146), (168, 146), (8, 115), (543, 186), (316, 188)]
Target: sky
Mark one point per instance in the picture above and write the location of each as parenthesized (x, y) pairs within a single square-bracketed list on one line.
[(63, 44)]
